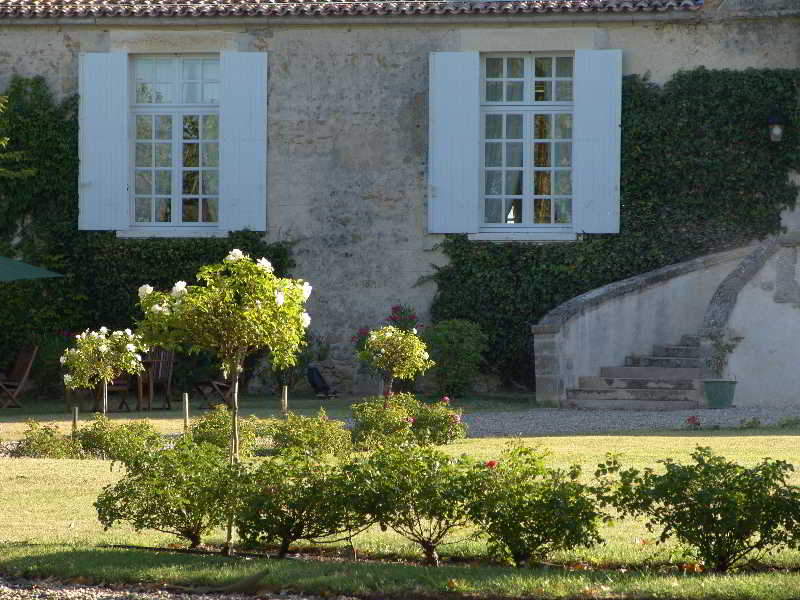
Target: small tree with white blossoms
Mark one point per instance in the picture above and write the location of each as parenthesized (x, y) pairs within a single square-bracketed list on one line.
[(396, 353), (100, 356), (240, 307)]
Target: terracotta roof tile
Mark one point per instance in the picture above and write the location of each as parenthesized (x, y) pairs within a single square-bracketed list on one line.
[(274, 8)]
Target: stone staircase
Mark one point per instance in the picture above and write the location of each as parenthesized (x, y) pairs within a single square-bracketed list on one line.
[(669, 379)]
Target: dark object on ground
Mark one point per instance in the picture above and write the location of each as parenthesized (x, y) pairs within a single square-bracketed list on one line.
[(317, 381)]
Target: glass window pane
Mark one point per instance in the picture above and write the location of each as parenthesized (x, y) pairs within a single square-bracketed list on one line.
[(514, 127), (493, 154), (514, 67), (494, 127), (144, 155), (541, 183), (190, 212), (210, 156), (494, 68), (191, 182), (563, 127), (143, 68), (210, 93), (514, 91), (562, 184), (143, 183), (564, 66), (144, 93), (210, 210), (210, 129), (190, 156), (563, 210), (513, 183), (564, 91), (541, 210), (163, 182), (563, 154), (141, 210), (163, 210), (163, 127), (543, 66), (163, 155), (162, 93), (192, 69), (191, 93), (493, 210), (494, 91), (541, 154), (165, 70), (543, 91), (191, 127), (514, 154), (494, 183), (144, 127), (211, 69), (210, 181), (541, 127), (514, 210)]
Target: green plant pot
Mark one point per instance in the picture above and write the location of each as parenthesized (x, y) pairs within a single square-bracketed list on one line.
[(719, 392)]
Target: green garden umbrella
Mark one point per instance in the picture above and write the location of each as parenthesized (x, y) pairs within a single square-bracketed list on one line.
[(13, 270)]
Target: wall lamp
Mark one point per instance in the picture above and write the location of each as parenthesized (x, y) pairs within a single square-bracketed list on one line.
[(777, 124)]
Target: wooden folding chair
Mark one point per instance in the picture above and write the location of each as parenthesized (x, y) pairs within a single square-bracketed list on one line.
[(158, 364), (215, 388), (13, 384)]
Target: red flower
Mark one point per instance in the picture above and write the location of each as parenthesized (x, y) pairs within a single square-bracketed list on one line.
[(445, 400), (490, 464), (410, 420)]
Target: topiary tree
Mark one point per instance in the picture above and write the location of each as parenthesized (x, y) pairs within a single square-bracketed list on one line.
[(396, 353)]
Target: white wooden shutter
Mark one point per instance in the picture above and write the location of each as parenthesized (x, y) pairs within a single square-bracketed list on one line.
[(243, 141), (103, 141), (454, 142), (598, 108)]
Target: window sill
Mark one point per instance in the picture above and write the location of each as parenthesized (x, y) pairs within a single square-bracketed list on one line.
[(523, 236), (171, 232)]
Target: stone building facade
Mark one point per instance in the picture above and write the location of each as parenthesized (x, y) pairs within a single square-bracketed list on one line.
[(346, 170)]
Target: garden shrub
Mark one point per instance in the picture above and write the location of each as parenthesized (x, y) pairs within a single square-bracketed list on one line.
[(214, 428), (188, 491), (125, 442), (421, 493), (296, 497), (396, 353), (529, 510), (42, 440), (317, 436), (456, 346), (402, 419), (720, 510)]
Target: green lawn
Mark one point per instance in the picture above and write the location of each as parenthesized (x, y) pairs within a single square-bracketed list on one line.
[(57, 534)]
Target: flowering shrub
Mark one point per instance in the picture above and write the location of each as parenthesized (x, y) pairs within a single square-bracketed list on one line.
[(693, 422), (403, 317), (214, 428), (529, 510), (438, 423), (457, 347), (100, 356), (317, 436), (126, 442), (359, 340), (421, 493), (396, 353), (41, 440)]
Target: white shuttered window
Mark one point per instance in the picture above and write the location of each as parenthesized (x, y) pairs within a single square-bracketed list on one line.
[(524, 145), (161, 143)]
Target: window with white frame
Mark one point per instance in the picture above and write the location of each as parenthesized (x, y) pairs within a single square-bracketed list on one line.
[(175, 109), (526, 114), (524, 145)]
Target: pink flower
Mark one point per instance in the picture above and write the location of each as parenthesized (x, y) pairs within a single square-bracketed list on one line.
[(455, 418), (445, 400), (490, 464), (410, 420)]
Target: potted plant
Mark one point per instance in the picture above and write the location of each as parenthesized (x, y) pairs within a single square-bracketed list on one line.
[(718, 390)]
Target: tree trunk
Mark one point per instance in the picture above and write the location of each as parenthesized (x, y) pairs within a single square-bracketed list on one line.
[(431, 556), (284, 549), (105, 397), (227, 549)]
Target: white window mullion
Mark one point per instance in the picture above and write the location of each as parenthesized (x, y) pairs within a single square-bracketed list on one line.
[(177, 170), (527, 169)]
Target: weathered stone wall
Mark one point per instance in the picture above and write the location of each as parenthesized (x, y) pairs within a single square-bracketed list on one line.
[(348, 122)]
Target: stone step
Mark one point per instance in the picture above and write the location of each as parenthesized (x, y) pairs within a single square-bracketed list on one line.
[(602, 404), (690, 340), (662, 361), (645, 395), (637, 383), (677, 351), (650, 372)]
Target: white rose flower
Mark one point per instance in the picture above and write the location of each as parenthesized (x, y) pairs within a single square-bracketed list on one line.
[(145, 290), (306, 290), (130, 348), (414, 331), (279, 298), (129, 333), (306, 319), (138, 357), (102, 348), (117, 333), (62, 360), (265, 264), (93, 334), (157, 308), (235, 254), (179, 288), (425, 355), (67, 378), (104, 330)]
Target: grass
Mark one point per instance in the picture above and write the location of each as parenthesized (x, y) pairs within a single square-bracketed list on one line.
[(43, 533)]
